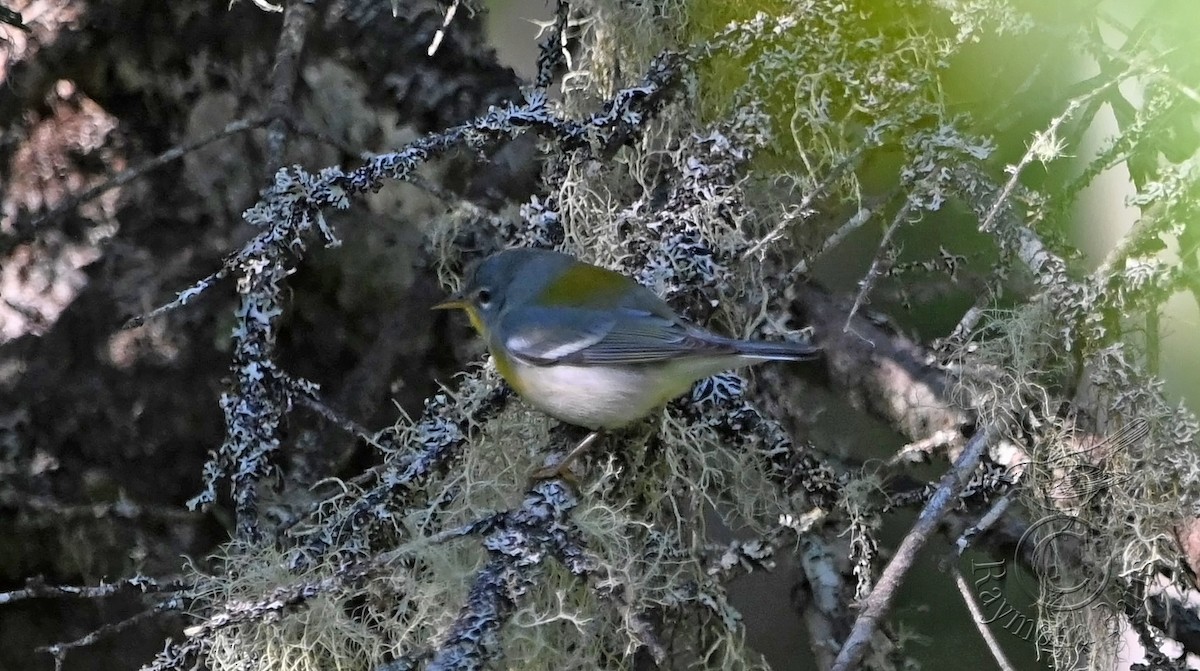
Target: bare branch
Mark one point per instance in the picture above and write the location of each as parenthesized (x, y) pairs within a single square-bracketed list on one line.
[(877, 604), (1041, 147), (980, 622), (36, 588), (801, 210), (296, 17), (825, 616), (60, 650), (127, 176)]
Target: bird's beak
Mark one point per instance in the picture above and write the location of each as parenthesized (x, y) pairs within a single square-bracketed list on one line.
[(454, 302)]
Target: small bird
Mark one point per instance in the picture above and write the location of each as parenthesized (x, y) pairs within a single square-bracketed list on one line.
[(590, 346)]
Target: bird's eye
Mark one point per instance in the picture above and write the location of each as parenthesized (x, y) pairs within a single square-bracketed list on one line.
[(484, 297)]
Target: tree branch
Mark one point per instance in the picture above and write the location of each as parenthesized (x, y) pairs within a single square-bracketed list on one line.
[(879, 601)]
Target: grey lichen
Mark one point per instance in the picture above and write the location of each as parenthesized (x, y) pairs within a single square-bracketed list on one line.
[(388, 572)]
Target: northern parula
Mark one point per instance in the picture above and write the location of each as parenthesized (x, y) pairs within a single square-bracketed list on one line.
[(590, 346)]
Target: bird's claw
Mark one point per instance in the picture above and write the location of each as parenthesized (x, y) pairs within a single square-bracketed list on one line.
[(560, 471)]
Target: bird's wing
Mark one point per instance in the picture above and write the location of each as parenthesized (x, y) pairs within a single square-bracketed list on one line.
[(593, 337)]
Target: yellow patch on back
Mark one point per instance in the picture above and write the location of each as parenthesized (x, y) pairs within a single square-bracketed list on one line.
[(585, 286)]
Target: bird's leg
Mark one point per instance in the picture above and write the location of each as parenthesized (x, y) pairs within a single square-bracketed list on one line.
[(563, 468)]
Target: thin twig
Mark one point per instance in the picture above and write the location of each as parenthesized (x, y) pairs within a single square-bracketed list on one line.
[(989, 519), (126, 176), (455, 201), (855, 222), (439, 436), (877, 604), (802, 207), (121, 509), (304, 130), (1038, 147), (59, 650), (980, 622), (441, 32), (925, 446), (877, 263), (970, 319), (35, 588), (313, 402)]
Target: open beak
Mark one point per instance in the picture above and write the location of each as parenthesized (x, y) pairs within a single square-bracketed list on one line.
[(454, 302)]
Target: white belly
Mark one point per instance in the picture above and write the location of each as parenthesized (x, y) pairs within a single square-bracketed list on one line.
[(607, 397)]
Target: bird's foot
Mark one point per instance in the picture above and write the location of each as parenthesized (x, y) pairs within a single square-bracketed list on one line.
[(562, 470)]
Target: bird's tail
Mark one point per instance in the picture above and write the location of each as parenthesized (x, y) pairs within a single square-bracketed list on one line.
[(779, 351)]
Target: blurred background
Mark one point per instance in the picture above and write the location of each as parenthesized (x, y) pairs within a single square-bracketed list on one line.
[(104, 431)]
